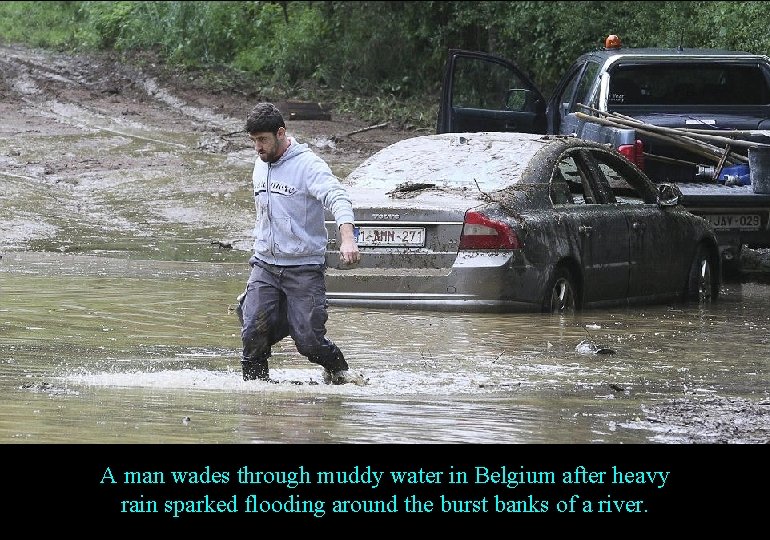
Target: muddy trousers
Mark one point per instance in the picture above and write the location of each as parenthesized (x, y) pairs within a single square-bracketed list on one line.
[(283, 301)]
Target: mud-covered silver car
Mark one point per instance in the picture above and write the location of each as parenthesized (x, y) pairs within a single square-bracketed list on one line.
[(517, 222)]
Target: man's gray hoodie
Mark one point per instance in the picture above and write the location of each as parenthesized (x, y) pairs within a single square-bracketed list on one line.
[(290, 196)]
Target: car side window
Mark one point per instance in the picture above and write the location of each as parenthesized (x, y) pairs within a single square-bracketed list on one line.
[(622, 191), (560, 192), (626, 187), (576, 181)]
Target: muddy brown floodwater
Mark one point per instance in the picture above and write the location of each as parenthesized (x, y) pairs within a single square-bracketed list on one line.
[(125, 222)]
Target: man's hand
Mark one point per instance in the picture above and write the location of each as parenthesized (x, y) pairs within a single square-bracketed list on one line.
[(348, 247)]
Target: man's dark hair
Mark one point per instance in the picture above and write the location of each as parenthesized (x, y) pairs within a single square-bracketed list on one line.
[(264, 117)]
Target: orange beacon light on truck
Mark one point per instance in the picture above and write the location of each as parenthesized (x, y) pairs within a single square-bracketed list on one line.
[(612, 42)]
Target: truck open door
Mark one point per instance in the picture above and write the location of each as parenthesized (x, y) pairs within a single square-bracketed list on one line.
[(482, 92)]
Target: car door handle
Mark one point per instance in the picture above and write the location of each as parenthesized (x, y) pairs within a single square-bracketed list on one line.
[(637, 226), (511, 127), (585, 229)]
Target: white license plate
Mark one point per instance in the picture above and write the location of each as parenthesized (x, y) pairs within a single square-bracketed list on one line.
[(747, 222), (390, 236)]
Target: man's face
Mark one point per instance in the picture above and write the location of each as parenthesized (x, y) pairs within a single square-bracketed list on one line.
[(269, 146)]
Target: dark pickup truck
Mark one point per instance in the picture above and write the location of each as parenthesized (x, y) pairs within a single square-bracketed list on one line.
[(698, 118)]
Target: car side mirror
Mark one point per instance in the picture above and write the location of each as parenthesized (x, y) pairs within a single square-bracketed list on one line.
[(668, 195)]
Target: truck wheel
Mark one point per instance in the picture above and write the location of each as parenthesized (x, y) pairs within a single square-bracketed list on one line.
[(561, 294), (701, 284)]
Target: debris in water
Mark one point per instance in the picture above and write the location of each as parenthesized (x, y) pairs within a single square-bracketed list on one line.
[(47, 388), (490, 385), (586, 347)]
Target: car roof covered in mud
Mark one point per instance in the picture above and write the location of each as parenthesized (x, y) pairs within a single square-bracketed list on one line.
[(451, 160)]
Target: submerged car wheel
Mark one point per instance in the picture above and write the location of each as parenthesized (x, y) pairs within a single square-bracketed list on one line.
[(561, 295), (701, 285)]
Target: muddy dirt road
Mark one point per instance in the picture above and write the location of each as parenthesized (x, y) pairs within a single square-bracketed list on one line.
[(129, 177), (98, 158)]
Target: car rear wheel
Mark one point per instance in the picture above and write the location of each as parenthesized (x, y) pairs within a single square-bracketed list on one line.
[(561, 295), (701, 285)]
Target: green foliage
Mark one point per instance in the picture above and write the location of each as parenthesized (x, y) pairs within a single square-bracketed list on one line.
[(256, 54), (378, 60), (184, 33), (54, 25)]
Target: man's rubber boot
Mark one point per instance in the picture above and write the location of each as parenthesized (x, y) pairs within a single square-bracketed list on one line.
[(344, 376), (256, 370), (336, 362), (336, 371)]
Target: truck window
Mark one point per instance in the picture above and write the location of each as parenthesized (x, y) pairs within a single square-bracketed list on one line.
[(624, 91), (584, 92), (700, 83), (565, 98), (577, 89), (488, 85)]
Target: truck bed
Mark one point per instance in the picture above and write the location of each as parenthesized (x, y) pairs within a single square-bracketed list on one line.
[(719, 195)]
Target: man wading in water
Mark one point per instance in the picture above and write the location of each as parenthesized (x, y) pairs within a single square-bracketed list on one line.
[(286, 291)]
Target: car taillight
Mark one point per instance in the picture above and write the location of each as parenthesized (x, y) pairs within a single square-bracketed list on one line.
[(633, 153), (480, 232)]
